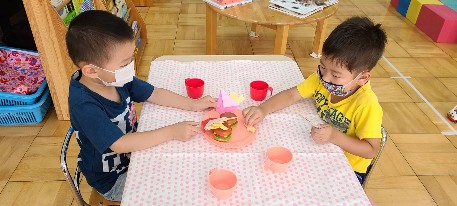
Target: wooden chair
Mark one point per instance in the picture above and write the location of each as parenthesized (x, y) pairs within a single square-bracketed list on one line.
[(95, 197), (375, 160)]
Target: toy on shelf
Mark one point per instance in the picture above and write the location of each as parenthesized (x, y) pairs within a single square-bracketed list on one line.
[(120, 8)]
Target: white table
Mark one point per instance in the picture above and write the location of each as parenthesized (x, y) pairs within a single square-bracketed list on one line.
[(176, 173)]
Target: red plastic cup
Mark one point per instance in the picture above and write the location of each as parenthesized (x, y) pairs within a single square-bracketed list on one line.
[(259, 90), (194, 87)]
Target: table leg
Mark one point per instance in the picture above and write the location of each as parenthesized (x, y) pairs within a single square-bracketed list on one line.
[(211, 25), (319, 38), (254, 29), (281, 39)]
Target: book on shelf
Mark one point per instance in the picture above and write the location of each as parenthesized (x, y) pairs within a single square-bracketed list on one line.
[(224, 4), (300, 8), (135, 28), (69, 9)]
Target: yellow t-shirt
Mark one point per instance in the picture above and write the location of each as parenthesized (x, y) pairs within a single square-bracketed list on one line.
[(358, 116)]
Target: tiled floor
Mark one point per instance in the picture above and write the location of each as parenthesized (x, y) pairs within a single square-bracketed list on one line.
[(417, 167)]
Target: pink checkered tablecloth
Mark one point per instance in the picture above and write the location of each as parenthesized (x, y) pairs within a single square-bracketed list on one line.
[(176, 173)]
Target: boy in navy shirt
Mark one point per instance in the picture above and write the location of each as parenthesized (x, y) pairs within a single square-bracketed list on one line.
[(101, 99)]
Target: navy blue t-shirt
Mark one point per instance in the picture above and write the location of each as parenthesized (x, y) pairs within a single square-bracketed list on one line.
[(98, 123)]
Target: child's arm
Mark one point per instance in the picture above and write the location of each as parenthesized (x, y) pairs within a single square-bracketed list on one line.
[(366, 148), (131, 142), (170, 99), (279, 101)]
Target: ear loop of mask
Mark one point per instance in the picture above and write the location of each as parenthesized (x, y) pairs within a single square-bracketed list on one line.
[(104, 82), (336, 85)]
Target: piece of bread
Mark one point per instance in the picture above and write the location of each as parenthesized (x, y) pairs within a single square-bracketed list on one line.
[(222, 135), (231, 122)]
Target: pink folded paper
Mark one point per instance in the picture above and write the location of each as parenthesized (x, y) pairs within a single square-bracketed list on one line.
[(225, 103)]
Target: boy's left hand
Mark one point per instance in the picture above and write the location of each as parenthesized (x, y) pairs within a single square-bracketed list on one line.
[(204, 103), (323, 134)]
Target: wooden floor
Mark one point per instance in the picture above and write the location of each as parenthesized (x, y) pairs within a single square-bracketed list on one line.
[(418, 166)]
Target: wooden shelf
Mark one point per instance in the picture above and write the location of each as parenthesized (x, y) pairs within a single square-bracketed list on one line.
[(49, 33), (142, 2), (139, 53), (135, 16)]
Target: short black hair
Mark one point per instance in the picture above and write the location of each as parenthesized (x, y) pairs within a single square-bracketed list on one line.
[(92, 36), (357, 43)]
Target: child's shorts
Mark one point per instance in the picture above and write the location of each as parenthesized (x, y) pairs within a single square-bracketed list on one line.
[(360, 176), (115, 193)]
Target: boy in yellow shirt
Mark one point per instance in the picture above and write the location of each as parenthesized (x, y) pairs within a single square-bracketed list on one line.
[(342, 92)]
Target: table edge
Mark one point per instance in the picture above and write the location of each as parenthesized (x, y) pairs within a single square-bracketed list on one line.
[(306, 20), (190, 58)]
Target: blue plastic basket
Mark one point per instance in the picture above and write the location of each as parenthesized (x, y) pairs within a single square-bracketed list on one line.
[(11, 99), (26, 114)]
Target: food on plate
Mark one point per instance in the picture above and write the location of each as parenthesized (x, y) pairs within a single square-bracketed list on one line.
[(250, 128), (222, 135), (232, 119), (215, 123)]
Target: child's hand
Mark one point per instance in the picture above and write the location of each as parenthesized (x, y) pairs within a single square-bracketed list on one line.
[(323, 134), (184, 131), (204, 103), (253, 115)]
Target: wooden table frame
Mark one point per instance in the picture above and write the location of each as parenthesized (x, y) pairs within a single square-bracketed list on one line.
[(282, 30)]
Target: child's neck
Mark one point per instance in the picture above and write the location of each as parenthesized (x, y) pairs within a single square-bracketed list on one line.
[(92, 83), (107, 92)]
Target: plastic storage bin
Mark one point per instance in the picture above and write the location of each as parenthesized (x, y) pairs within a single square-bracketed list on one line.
[(26, 114), (11, 99)]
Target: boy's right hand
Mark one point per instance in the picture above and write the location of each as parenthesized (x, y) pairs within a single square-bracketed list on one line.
[(253, 115), (184, 131)]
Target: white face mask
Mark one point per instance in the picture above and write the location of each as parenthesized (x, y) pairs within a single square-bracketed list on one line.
[(122, 76)]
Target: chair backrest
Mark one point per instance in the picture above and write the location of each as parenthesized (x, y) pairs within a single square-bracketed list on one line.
[(73, 182), (375, 160)]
